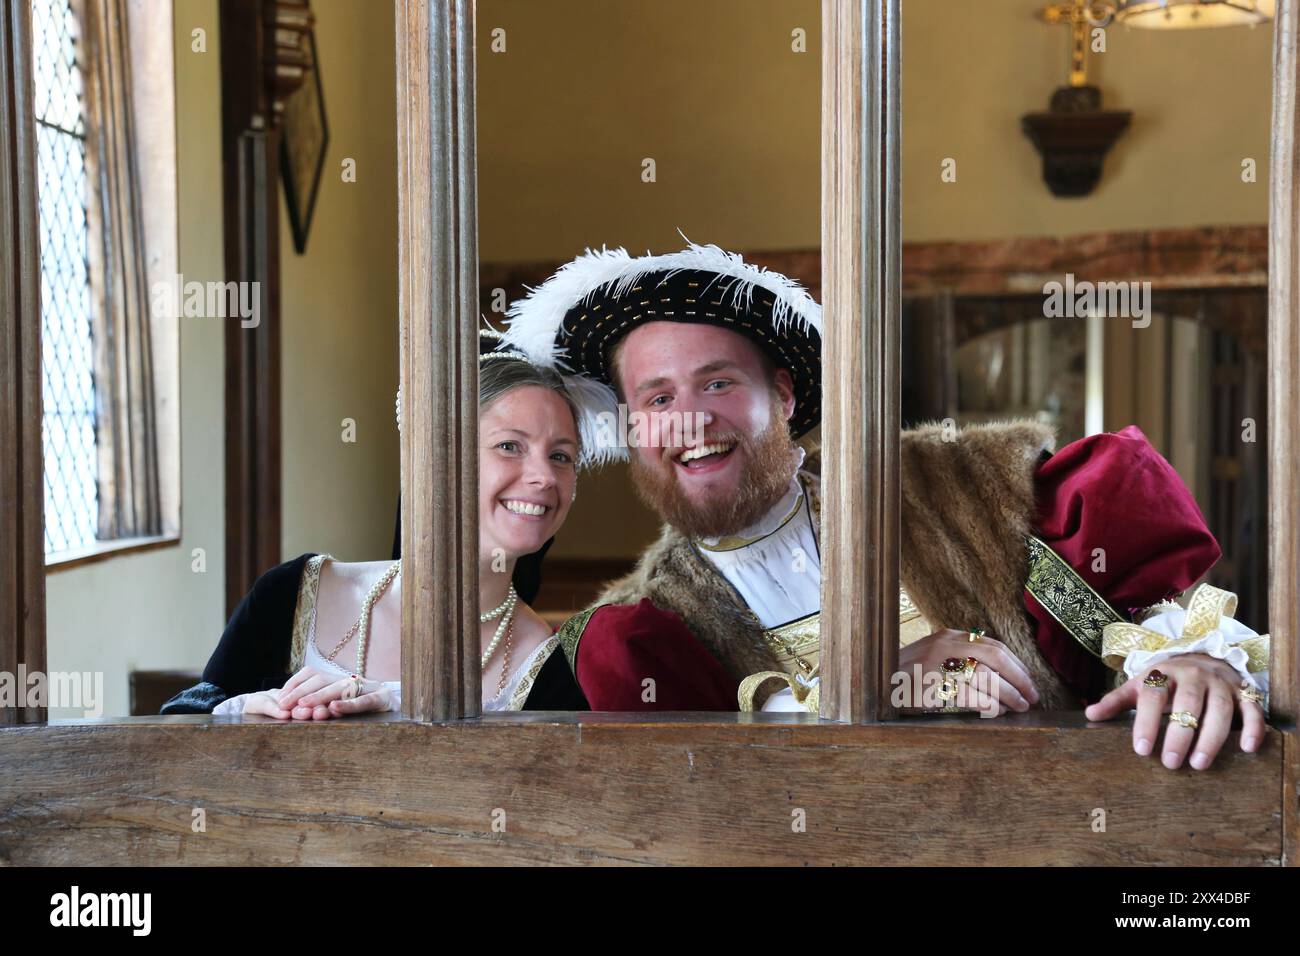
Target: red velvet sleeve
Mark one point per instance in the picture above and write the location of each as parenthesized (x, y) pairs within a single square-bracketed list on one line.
[(641, 657), (1121, 517)]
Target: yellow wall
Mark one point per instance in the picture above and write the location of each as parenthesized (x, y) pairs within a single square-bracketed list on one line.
[(1200, 102), (339, 302), (586, 90)]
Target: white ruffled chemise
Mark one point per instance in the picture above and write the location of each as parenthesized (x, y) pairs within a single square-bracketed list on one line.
[(778, 573), (505, 699)]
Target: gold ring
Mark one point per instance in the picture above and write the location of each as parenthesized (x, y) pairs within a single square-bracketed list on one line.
[(975, 636), (948, 689), (1157, 680), (1185, 719), (353, 688), (969, 673), (1250, 693)]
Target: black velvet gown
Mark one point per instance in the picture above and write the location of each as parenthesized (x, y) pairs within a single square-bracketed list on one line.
[(254, 651)]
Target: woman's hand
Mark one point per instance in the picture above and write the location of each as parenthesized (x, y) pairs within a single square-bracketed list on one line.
[(1198, 684), (1000, 681), (265, 703), (312, 694)]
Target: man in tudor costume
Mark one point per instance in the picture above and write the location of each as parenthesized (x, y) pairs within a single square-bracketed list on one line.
[(1046, 574)]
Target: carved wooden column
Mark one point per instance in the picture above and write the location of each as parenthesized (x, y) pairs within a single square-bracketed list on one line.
[(438, 305), (22, 529), (861, 275)]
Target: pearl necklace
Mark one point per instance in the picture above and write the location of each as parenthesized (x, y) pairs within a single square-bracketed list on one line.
[(497, 611), (506, 611)]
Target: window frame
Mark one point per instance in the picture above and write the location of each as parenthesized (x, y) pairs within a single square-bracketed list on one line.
[(148, 25), (704, 779)]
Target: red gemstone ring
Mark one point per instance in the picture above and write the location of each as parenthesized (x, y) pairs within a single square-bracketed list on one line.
[(1157, 679)]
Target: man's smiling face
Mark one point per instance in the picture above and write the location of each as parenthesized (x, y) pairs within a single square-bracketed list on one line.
[(723, 475)]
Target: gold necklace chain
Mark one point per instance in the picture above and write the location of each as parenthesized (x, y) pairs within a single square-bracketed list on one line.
[(505, 660)]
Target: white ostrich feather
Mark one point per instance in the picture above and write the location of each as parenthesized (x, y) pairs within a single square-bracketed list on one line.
[(595, 402)]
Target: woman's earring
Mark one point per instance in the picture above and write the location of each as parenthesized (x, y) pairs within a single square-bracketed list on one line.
[(575, 495)]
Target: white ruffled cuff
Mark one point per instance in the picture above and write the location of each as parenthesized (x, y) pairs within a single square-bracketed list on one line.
[(231, 706), (1220, 643)]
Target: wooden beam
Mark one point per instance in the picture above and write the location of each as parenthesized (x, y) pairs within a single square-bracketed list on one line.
[(22, 526), (438, 305), (1284, 369), (250, 144), (861, 356), (612, 789)]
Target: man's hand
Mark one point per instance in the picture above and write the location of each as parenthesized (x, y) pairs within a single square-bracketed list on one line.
[(1198, 684), (1009, 682)]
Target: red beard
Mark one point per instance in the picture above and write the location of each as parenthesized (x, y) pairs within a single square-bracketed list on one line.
[(770, 463)]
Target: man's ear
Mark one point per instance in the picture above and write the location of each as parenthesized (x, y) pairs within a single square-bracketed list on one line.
[(784, 386)]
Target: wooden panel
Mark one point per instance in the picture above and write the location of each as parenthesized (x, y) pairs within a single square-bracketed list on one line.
[(1020, 791), (149, 690), (1284, 369), (1209, 256), (22, 532), (862, 350), (438, 294)]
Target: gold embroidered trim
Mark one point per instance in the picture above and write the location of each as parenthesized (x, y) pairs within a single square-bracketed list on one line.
[(570, 633), (526, 682), (1067, 597), (796, 645), (1204, 612), (304, 611), (810, 697), (1257, 653)]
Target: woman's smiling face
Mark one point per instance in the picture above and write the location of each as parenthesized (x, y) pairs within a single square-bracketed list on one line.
[(528, 449)]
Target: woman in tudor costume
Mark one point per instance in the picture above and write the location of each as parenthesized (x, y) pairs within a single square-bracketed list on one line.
[(335, 626)]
